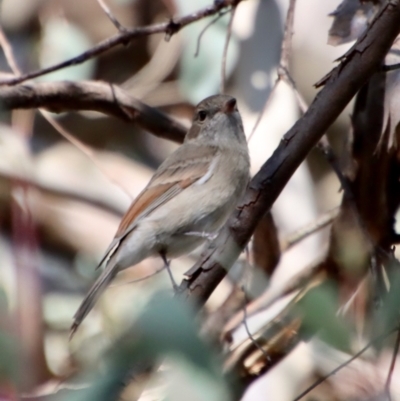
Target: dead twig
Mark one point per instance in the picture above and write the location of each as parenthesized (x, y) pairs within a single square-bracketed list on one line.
[(283, 68), (287, 36), (112, 17), (273, 294), (204, 30), (225, 52), (308, 230), (343, 83), (91, 95), (62, 192), (341, 366), (169, 28), (246, 327), (86, 150)]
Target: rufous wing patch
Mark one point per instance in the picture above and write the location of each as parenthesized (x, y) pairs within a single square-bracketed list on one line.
[(139, 206), (186, 166)]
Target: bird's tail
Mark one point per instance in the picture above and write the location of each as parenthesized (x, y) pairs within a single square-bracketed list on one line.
[(92, 296)]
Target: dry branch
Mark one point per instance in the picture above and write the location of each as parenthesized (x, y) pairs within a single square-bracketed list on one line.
[(340, 86), (90, 95), (170, 28)]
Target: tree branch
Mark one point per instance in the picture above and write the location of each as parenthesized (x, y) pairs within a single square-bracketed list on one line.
[(91, 95), (341, 84), (123, 38)]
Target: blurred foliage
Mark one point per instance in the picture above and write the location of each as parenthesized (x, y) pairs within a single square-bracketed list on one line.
[(8, 345), (165, 328), (318, 309)]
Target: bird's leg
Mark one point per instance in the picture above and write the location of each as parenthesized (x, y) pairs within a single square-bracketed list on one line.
[(167, 266), (208, 236)]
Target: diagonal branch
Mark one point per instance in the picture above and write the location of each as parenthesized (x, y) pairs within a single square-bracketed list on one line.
[(340, 86)]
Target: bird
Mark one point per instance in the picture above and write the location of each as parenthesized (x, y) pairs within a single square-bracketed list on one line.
[(188, 199)]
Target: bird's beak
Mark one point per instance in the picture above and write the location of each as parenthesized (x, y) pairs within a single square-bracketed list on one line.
[(229, 106)]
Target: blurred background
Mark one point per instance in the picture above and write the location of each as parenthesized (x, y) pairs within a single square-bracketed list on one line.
[(60, 205)]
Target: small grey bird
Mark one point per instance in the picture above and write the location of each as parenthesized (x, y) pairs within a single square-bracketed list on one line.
[(189, 197)]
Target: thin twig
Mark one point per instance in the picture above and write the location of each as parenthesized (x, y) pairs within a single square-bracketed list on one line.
[(285, 75), (309, 229), (54, 190), (283, 67), (225, 52), (204, 30), (264, 109), (287, 36), (169, 28), (392, 364), (391, 67), (341, 366), (86, 150), (246, 327), (8, 53), (112, 17), (276, 292)]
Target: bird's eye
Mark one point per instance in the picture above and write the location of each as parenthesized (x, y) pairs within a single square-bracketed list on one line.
[(202, 115)]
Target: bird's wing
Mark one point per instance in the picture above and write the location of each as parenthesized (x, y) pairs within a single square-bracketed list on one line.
[(188, 164)]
